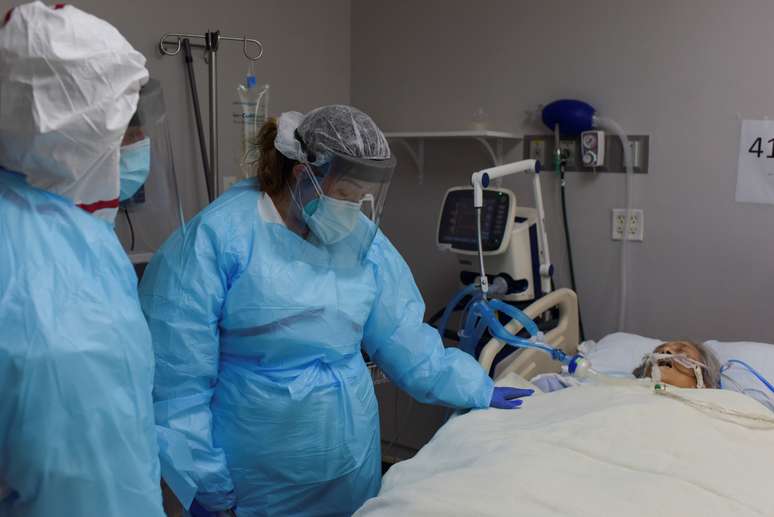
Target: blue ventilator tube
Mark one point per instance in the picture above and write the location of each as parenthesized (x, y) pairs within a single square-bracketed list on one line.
[(458, 296), (481, 316), (751, 370), (485, 310), (471, 333)]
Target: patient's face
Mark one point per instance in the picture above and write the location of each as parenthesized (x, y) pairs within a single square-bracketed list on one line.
[(673, 373)]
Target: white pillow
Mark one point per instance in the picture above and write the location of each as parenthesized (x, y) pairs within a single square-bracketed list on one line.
[(619, 353)]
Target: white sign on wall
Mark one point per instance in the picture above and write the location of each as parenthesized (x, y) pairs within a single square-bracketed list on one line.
[(755, 168)]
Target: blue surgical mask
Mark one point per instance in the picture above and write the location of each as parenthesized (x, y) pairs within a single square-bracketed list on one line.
[(330, 219), (134, 167)]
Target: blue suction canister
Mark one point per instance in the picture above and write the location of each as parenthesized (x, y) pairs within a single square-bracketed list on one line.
[(573, 116)]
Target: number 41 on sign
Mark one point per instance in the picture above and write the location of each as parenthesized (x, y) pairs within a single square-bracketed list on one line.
[(757, 150), (755, 164)]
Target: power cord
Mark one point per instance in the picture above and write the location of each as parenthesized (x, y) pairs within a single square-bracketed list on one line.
[(567, 240)]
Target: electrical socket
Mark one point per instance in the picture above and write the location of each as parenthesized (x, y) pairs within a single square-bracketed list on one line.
[(634, 230)]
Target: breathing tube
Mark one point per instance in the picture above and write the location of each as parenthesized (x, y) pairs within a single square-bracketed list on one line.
[(749, 368)]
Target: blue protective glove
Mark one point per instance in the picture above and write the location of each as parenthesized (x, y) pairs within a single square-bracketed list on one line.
[(507, 398)]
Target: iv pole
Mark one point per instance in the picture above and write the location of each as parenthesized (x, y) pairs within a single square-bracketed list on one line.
[(211, 45)]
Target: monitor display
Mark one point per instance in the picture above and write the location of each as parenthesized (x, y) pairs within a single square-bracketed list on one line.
[(458, 220)]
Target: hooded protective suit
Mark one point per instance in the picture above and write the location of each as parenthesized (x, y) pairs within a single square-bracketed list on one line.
[(76, 424)]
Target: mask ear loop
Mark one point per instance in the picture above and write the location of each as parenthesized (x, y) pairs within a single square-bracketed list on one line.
[(295, 201)]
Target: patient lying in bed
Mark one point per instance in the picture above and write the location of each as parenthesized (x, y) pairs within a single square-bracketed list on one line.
[(684, 364), (596, 449)]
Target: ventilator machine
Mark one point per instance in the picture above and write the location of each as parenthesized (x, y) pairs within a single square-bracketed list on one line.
[(513, 239), (513, 261)]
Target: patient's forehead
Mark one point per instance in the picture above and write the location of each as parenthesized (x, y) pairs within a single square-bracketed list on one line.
[(680, 347)]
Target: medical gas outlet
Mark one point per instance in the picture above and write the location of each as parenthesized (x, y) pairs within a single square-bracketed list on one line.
[(593, 148)]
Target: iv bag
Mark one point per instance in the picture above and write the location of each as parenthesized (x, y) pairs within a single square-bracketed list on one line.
[(251, 111)]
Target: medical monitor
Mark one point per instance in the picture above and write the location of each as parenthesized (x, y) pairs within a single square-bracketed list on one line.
[(457, 221)]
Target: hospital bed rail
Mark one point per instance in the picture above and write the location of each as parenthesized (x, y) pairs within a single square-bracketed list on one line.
[(528, 363)]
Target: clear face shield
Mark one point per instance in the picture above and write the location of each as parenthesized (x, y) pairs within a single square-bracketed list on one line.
[(339, 204), (150, 208)]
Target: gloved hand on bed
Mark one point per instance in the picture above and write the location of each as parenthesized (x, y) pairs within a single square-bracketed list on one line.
[(508, 398)]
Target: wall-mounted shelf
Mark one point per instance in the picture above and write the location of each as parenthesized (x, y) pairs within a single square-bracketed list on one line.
[(484, 137), (472, 133)]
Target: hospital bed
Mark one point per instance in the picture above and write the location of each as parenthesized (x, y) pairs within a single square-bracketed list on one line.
[(593, 449)]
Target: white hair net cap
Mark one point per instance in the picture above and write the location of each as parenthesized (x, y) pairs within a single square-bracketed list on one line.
[(286, 141), (328, 130), (70, 84)]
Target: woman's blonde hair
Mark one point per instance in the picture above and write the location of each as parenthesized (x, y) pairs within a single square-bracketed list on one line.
[(274, 169)]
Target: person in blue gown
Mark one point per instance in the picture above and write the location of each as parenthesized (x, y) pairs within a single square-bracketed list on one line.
[(259, 310), (77, 433)]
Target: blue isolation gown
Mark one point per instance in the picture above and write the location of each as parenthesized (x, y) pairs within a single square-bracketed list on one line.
[(77, 433), (258, 359)]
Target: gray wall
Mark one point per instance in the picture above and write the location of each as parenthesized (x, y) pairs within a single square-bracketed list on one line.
[(306, 61), (683, 71)]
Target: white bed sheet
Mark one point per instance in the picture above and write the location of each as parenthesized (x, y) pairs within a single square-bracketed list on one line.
[(589, 451)]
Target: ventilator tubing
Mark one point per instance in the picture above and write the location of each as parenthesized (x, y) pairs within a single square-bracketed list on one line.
[(749, 368), (457, 298), (480, 315)]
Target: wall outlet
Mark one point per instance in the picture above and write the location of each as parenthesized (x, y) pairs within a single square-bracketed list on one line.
[(634, 229), (537, 151)]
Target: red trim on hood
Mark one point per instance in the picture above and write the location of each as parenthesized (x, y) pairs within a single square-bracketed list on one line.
[(99, 205), (7, 17), (59, 6)]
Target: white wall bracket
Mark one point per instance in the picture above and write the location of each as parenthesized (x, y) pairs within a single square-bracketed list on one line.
[(486, 138)]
